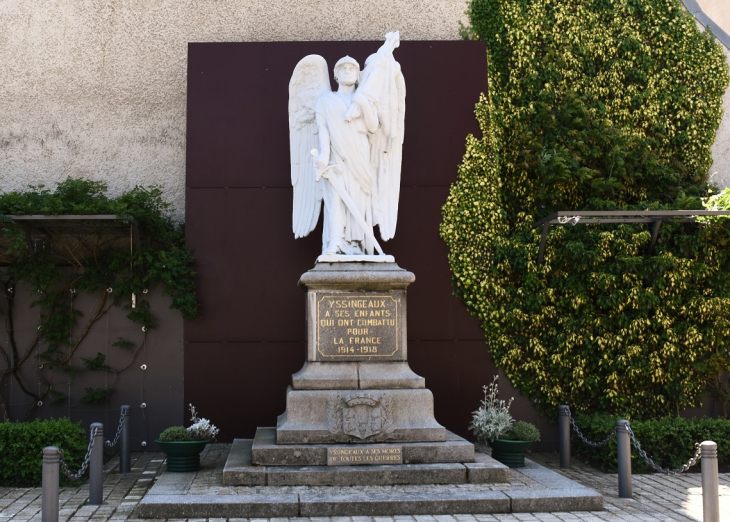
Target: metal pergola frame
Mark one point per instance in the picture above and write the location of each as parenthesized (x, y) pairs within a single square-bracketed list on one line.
[(74, 224), (595, 217)]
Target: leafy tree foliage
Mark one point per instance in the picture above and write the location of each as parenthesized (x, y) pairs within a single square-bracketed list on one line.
[(594, 105)]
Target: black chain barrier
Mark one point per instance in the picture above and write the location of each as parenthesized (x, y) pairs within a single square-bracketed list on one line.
[(84, 464), (691, 462), (653, 465), (584, 439), (120, 425)]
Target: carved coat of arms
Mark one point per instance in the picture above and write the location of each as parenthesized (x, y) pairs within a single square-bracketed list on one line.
[(360, 415)]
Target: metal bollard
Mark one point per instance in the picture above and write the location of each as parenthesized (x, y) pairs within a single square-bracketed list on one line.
[(125, 453), (49, 495), (96, 465), (624, 459), (564, 435), (710, 483)]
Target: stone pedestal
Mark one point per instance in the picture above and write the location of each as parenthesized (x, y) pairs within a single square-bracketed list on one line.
[(356, 414), (356, 385)]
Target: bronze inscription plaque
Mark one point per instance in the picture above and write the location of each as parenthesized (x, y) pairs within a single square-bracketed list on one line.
[(356, 327), (364, 455)]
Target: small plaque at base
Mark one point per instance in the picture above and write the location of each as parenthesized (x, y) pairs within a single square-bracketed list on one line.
[(364, 455)]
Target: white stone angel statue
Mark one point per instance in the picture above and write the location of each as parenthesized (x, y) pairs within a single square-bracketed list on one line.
[(346, 149)]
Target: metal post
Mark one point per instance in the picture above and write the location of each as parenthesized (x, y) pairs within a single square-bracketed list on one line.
[(710, 483), (96, 464), (564, 435), (49, 495), (125, 453), (624, 459), (654, 236)]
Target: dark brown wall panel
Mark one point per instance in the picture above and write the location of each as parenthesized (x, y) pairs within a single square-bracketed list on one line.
[(455, 372), (159, 386), (248, 264), (433, 313), (240, 386), (249, 292), (250, 336), (238, 133)]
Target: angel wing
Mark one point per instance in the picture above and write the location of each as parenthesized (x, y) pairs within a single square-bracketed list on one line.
[(382, 82), (308, 82)]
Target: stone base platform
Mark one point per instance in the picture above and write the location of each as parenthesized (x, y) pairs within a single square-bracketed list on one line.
[(202, 494), (266, 452), (240, 470)]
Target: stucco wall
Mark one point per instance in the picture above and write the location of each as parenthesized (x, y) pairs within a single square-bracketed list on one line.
[(720, 170), (97, 88), (719, 11)]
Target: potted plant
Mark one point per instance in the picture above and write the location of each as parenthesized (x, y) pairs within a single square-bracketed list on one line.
[(182, 446), (493, 424), (510, 448)]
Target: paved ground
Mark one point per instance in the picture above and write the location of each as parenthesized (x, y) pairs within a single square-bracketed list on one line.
[(656, 497)]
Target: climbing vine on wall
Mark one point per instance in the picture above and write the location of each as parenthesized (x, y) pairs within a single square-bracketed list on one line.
[(594, 105), (118, 271)]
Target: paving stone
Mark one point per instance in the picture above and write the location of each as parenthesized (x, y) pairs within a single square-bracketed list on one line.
[(656, 497)]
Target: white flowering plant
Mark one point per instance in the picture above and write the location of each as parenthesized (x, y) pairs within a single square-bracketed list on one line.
[(493, 418), (201, 429)]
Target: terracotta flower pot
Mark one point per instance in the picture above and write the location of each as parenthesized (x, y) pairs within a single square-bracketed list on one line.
[(510, 452), (182, 455)]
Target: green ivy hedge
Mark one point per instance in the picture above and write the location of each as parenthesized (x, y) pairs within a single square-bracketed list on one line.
[(594, 105), (669, 442), (72, 265), (21, 448), (162, 260)]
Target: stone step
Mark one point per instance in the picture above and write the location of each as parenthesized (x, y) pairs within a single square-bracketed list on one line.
[(535, 489), (267, 453), (328, 505), (239, 471)]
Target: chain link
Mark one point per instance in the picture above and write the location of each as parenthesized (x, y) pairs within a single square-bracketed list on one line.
[(84, 464), (691, 462), (111, 444), (586, 441)]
